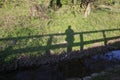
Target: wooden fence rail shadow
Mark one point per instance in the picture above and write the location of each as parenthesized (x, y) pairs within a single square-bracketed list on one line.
[(50, 46)]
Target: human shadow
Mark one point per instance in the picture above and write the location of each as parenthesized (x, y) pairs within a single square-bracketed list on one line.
[(69, 38)]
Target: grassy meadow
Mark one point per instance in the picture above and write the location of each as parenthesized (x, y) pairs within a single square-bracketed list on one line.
[(17, 22)]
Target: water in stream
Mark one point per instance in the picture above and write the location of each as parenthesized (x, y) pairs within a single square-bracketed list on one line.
[(66, 69)]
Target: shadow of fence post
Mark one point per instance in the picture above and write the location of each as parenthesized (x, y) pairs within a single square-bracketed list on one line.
[(48, 46), (105, 39), (81, 41)]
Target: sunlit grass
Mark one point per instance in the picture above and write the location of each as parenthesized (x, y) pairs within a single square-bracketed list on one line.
[(17, 22)]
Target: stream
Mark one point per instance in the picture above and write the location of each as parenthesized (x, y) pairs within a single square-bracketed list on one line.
[(66, 69)]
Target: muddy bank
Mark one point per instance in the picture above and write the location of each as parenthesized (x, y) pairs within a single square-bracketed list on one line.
[(66, 68), (24, 62)]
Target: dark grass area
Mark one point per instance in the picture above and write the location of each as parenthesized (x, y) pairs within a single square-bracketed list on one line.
[(112, 75), (67, 65), (34, 61)]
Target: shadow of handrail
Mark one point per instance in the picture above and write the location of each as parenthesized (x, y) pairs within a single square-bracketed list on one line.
[(57, 34), (59, 45)]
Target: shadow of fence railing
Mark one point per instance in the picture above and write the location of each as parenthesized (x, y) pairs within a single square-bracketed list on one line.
[(49, 44)]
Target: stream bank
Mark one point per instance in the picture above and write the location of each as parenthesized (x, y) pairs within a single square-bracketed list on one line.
[(63, 66)]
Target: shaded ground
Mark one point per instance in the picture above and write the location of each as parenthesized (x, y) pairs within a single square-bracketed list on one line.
[(112, 75), (69, 65), (67, 69)]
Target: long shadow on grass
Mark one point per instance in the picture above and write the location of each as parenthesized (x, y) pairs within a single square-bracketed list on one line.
[(17, 45)]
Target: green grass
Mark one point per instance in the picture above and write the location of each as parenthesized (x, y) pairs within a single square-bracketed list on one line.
[(16, 22)]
